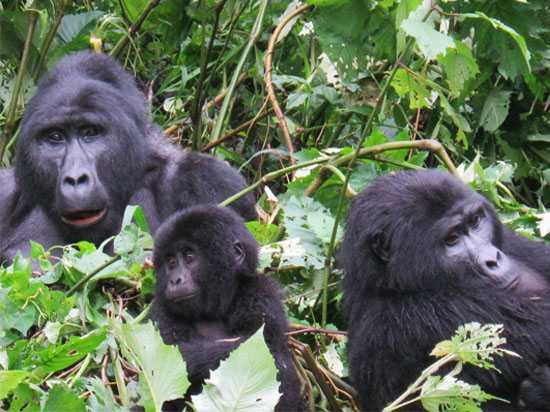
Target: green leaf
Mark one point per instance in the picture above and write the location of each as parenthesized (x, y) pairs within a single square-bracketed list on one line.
[(244, 382), (134, 8), (406, 84), (497, 24), (264, 233), (460, 66), (61, 398), (163, 375), (72, 25), (430, 41), (495, 110), (57, 357), (9, 381)]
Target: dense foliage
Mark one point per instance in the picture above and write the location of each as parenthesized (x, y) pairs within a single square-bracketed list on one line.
[(293, 94)]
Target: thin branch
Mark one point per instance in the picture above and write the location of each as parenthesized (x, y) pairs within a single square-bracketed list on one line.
[(123, 42), (254, 35), (86, 278), (62, 4), (268, 67), (12, 107), (196, 113), (319, 376), (234, 132), (431, 145)]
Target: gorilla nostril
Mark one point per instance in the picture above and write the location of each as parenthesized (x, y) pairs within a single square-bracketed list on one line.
[(70, 181), (175, 281), (82, 179), (492, 264), (499, 256)]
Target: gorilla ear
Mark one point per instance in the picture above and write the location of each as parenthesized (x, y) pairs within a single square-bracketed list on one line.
[(240, 254), (380, 247)]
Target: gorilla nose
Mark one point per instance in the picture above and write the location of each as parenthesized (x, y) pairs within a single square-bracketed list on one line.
[(76, 180), (175, 281)]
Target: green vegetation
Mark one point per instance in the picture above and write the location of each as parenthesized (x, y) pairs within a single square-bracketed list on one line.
[(312, 102)]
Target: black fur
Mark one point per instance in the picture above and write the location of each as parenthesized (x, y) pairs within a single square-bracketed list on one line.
[(126, 160), (233, 296), (398, 306)]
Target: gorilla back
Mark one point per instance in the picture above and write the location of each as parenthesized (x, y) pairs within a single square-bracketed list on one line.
[(422, 255), (87, 149)]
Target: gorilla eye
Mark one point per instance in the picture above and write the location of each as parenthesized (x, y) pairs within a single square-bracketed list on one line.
[(90, 131), (188, 256), (475, 220), (452, 239), (171, 261), (55, 137)]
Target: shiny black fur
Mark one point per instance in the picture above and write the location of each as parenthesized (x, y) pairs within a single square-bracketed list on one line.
[(128, 162), (235, 297), (399, 306)]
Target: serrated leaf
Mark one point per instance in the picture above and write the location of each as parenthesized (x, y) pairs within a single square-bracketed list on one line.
[(245, 382), (460, 66), (495, 110), (163, 375), (407, 85)]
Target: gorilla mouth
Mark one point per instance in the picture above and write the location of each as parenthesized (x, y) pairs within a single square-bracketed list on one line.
[(177, 297), (84, 218)]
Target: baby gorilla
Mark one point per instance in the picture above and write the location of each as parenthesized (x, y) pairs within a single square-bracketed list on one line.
[(210, 298)]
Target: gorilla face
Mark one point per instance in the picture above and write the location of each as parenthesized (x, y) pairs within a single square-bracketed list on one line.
[(201, 256), (81, 155)]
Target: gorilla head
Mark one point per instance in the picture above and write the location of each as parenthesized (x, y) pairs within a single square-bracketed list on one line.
[(424, 254), (86, 119), (428, 230), (201, 255)]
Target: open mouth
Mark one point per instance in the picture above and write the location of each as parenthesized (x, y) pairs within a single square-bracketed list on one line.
[(84, 218), (512, 284)]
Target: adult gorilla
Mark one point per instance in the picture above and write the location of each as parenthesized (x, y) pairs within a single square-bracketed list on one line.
[(424, 254), (87, 149)]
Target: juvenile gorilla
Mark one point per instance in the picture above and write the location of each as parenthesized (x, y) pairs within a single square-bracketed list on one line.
[(210, 298), (424, 254), (86, 150)]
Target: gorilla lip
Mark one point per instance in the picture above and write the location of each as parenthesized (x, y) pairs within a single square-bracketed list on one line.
[(84, 218)]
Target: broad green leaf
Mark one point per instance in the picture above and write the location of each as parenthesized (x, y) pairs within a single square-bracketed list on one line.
[(497, 24), (9, 381), (57, 357), (163, 375), (459, 120), (134, 8), (407, 85), (102, 398), (495, 110), (244, 382), (460, 66), (430, 41), (135, 213), (72, 25), (264, 233), (449, 393), (61, 398)]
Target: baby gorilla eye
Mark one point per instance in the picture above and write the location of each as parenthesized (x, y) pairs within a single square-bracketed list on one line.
[(452, 239), (171, 261), (188, 256)]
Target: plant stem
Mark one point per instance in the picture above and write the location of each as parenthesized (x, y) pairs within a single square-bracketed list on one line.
[(12, 107), (86, 278), (123, 42), (255, 33), (205, 54), (268, 64)]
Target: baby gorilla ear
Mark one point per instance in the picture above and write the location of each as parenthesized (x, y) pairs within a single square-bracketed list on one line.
[(380, 246)]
